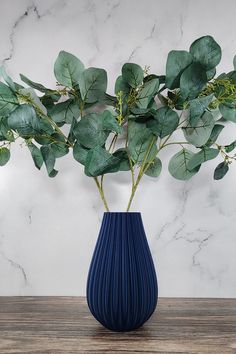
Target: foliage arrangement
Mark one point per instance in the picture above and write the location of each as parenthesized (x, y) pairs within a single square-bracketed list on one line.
[(126, 131)]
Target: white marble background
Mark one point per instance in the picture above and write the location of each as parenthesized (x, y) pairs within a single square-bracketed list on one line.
[(48, 227)]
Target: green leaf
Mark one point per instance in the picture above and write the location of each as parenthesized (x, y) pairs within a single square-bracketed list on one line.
[(67, 69), (214, 134), (110, 123), (139, 141), (5, 132), (7, 79), (197, 108), (221, 170), (99, 161), (80, 153), (36, 155), (49, 160), (200, 134), (210, 74), (177, 61), (8, 101), (230, 147), (178, 165), (164, 123), (192, 81), (228, 113), (206, 51), (4, 155), (202, 156), (145, 95), (132, 74), (39, 87), (122, 155), (59, 148), (154, 169), (121, 85), (64, 112), (93, 84), (25, 121), (90, 132), (31, 96), (234, 62)]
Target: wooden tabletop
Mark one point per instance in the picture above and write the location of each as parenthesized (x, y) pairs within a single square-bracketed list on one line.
[(59, 325)]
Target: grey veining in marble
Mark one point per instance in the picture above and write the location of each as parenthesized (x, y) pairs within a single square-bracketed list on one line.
[(48, 227)]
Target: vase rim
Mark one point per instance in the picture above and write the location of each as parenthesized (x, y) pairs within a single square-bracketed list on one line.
[(122, 212)]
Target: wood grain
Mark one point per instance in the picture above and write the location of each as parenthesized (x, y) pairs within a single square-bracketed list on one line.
[(59, 325)]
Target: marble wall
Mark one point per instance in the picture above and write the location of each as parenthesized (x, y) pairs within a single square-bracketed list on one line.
[(48, 227)]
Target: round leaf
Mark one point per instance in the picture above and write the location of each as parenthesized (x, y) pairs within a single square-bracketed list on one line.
[(201, 132), (178, 165), (177, 61), (4, 156), (206, 51), (67, 69), (90, 132), (132, 74), (154, 169), (165, 122), (192, 81)]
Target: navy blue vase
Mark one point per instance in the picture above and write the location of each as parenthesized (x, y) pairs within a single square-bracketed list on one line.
[(122, 285)]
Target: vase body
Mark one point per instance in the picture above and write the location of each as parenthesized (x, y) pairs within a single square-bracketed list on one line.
[(122, 287)]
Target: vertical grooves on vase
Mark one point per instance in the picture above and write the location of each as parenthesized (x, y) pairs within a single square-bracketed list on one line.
[(122, 285)]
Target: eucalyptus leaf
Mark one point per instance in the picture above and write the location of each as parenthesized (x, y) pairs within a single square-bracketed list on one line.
[(202, 156), (65, 111), (122, 155), (5, 131), (201, 132), (230, 147), (35, 85), (178, 165), (4, 156), (31, 96), (121, 86), (141, 143), (132, 74), (110, 123), (36, 155), (93, 84), (197, 107), (155, 168), (177, 61), (80, 153), (192, 81), (99, 161), (221, 170), (8, 100), (145, 95), (164, 123), (7, 79), (234, 62), (206, 51), (49, 160), (90, 131), (67, 69), (228, 113), (25, 121), (214, 134)]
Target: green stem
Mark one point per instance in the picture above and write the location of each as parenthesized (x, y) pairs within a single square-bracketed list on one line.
[(140, 175), (101, 193)]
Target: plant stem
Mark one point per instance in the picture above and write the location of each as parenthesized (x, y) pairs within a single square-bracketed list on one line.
[(140, 175), (101, 193)]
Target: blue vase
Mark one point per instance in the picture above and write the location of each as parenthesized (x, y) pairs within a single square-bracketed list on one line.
[(122, 285)]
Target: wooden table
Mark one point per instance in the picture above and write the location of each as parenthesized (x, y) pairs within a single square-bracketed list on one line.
[(58, 325)]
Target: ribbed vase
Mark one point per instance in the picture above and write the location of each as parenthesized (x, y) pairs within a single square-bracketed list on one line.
[(122, 285)]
